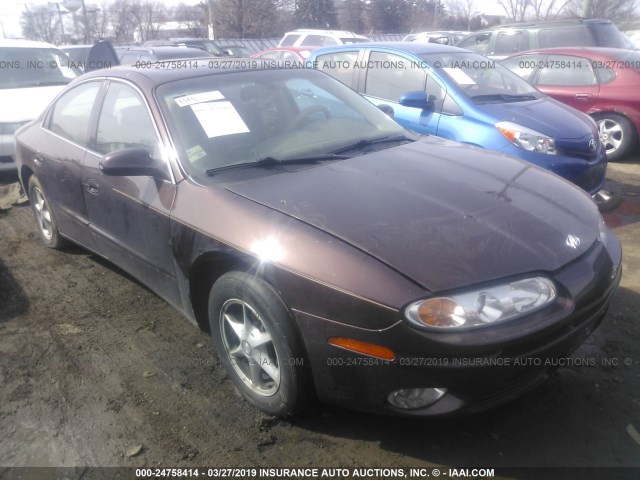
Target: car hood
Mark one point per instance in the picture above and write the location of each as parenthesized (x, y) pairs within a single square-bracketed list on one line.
[(444, 214), (25, 104), (544, 115)]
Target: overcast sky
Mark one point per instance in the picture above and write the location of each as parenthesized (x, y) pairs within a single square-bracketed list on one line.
[(10, 11)]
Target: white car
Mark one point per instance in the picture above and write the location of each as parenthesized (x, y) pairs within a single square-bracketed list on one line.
[(32, 75), (320, 38)]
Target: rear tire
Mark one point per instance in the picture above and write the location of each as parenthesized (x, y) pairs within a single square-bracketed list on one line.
[(45, 218), (258, 344), (617, 133)]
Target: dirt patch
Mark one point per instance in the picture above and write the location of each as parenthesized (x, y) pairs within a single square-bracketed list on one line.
[(97, 371)]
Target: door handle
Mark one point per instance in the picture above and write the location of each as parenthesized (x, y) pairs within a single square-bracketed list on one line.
[(37, 160), (92, 187), (583, 96)]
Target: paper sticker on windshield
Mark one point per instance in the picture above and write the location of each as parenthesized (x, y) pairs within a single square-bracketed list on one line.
[(194, 153), (459, 76), (219, 118), (198, 98)]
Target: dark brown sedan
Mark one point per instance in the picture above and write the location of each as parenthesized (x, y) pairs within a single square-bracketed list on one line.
[(328, 250)]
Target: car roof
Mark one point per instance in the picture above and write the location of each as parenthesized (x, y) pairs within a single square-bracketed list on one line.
[(74, 47), (163, 75), (159, 49), (408, 47), (19, 43), (567, 22), (578, 51)]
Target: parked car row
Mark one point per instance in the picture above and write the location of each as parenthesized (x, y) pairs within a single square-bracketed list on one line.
[(461, 96), (602, 82)]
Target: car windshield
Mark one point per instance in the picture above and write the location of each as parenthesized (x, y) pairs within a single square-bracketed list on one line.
[(177, 52), (350, 40), (481, 79), (35, 67), (262, 117), (205, 45)]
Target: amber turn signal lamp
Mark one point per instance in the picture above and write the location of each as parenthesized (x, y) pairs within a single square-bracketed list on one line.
[(364, 348)]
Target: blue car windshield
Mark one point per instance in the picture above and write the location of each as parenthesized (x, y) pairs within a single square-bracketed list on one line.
[(481, 79)]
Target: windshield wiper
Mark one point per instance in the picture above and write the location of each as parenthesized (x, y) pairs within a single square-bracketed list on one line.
[(366, 142), (503, 97), (270, 161)]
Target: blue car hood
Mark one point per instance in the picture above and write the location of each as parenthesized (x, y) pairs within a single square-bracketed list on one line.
[(544, 115), (443, 213)]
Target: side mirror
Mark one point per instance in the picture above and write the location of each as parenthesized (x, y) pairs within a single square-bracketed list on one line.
[(417, 99), (388, 109), (132, 162)]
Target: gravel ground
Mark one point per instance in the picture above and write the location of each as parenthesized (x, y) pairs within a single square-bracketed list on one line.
[(95, 370)]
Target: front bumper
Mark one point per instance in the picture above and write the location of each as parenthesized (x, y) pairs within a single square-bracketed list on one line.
[(480, 369), (587, 173), (7, 163)]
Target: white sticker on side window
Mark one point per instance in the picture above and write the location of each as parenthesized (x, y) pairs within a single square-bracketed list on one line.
[(219, 118), (459, 76), (187, 100)]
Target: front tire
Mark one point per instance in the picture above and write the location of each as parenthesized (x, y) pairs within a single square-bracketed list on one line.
[(258, 344), (47, 223), (617, 134)]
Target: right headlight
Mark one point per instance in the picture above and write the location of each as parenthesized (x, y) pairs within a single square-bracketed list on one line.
[(527, 139), (484, 306)]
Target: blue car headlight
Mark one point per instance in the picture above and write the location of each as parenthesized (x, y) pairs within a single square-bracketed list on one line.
[(484, 306), (527, 139)]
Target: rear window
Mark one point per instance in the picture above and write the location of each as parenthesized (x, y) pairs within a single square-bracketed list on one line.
[(627, 59), (566, 37), (607, 35), (318, 41)]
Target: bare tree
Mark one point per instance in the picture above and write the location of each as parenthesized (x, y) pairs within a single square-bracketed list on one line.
[(516, 10), (42, 23), (463, 9), (546, 9), (148, 17), (351, 15), (193, 19), (120, 16), (246, 18), (614, 10)]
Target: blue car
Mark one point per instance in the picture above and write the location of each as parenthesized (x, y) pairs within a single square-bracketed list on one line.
[(460, 95)]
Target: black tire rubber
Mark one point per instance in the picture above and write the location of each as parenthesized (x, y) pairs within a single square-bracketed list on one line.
[(55, 241), (295, 387), (627, 130)]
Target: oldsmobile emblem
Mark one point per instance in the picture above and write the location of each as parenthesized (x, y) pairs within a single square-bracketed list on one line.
[(572, 241), (593, 144)]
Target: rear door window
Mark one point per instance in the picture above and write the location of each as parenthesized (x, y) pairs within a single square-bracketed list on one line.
[(289, 40), (70, 115), (565, 37), (477, 43), (339, 65), (390, 76), (511, 42), (566, 70)]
